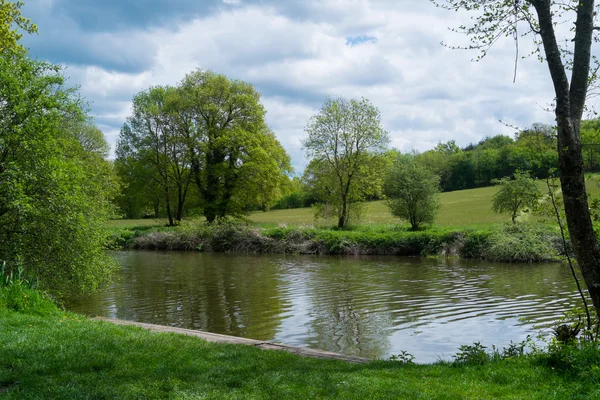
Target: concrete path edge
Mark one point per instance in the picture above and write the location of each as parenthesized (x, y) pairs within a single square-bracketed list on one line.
[(261, 344)]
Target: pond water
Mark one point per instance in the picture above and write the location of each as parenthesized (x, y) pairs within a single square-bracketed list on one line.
[(372, 307)]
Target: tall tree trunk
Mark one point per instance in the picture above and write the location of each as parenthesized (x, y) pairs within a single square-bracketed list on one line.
[(168, 204), (180, 203), (229, 185), (581, 230), (570, 101), (211, 191), (343, 217)]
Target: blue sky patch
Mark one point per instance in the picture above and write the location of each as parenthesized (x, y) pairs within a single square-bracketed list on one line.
[(356, 40)]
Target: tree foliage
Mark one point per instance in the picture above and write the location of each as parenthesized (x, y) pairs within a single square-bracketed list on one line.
[(151, 143), (11, 23), (208, 130), (55, 184), (412, 191), (517, 194), (346, 143), (494, 157)]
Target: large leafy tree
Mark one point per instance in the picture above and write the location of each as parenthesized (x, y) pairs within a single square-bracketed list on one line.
[(236, 160), (346, 142), (567, 53), (55, 184), (209, 130)]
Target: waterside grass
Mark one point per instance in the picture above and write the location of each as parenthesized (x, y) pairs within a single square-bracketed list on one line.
[(64, 355)]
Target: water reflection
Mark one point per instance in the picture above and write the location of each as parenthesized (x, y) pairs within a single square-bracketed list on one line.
[(367, 306)]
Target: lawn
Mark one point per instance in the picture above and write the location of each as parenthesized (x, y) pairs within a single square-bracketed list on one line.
[(67, 356), (465, 207), (471, 207), (460, 208)]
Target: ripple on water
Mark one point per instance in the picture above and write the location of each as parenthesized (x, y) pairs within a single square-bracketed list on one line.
[(372, 307)]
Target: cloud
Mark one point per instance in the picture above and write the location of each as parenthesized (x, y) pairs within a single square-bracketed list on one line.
[(296, 54)]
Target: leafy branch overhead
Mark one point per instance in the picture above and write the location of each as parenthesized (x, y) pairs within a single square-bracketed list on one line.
[(12, 23)]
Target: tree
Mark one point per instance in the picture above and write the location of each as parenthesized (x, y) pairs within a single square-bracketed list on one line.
[(54, 192), (517, 194), (563, 55), (346, 140), (11, 21), (235, 158), (412, 191), (139, 190), (209, 130), (153, 138)]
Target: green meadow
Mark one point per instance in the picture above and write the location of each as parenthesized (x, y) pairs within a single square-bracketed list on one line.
[(459, 209)]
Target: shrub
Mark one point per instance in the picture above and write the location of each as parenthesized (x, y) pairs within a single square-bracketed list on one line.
[(521, 243), (582, 358), (412, 191), (472, 354)]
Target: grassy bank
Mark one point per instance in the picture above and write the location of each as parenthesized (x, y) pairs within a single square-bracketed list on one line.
[(471, 208), (49, 354), (504, 242), (465, 227)]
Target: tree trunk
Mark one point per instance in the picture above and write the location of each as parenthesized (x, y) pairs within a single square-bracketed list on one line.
[(570, 101), (581, 230), (343, 217), (180, 203), (229, 184), (210, 193), (169, 213)]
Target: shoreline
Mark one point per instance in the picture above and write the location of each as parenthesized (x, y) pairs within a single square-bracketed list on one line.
[(521, 243), (220, 338)]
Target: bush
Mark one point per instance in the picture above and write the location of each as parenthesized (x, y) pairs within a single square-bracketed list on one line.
[(413, 191), (523, 242), (510, 243), (472, 354), (582, 359)]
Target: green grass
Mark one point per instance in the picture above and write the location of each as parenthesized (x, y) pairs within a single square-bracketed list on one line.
[(66, 356), (137, 223), (472, 207)]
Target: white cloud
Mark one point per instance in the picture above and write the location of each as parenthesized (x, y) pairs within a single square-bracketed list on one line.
[(425, 92)]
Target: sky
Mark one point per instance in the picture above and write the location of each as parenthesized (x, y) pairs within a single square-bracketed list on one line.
[(296, 53)]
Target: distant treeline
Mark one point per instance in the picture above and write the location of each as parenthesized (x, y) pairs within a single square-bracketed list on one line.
[(477, 165)]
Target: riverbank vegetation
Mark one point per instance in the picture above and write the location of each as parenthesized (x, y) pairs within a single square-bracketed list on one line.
[(48, 353), (507, 243), (467, 227), (56, 185)]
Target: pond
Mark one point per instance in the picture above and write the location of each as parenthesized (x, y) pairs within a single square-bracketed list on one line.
[(372, 307)]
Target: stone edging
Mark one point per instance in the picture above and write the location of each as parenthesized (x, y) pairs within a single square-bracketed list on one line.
[(261, 344)]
